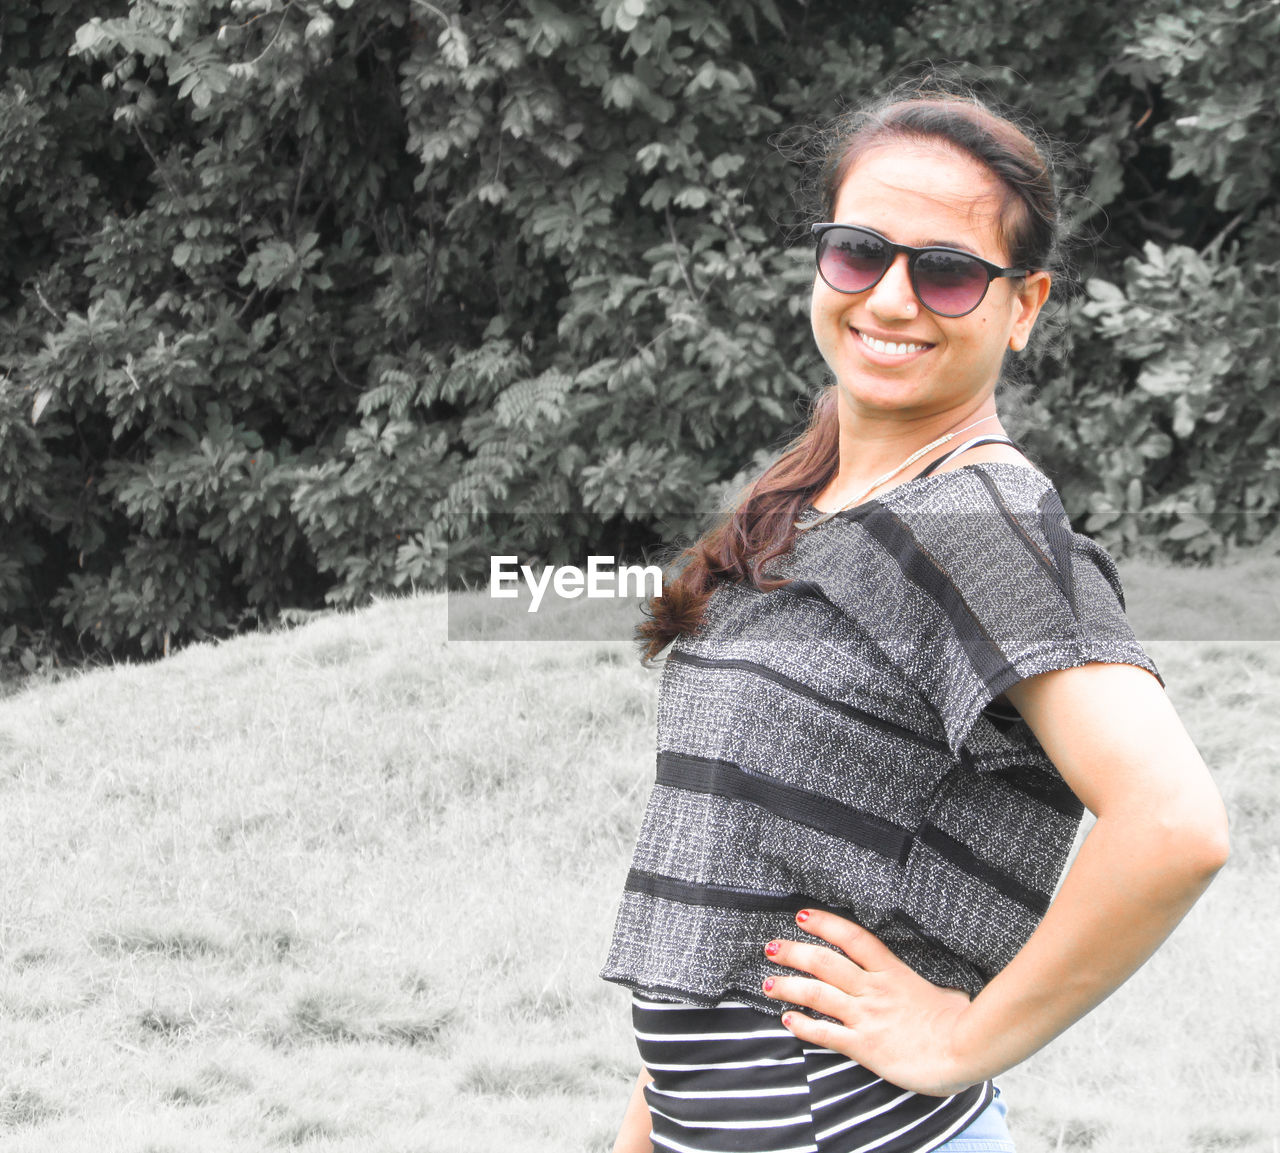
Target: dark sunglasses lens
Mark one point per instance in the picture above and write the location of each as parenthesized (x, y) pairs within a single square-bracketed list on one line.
[(948, 283), (849, 260)]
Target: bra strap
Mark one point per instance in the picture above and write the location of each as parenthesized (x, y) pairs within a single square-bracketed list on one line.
[(972, 442)]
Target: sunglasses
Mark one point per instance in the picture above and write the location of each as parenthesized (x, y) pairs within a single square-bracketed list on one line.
[(947, 281)]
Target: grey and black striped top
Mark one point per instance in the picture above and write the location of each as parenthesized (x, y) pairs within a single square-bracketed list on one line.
[(833, 743)]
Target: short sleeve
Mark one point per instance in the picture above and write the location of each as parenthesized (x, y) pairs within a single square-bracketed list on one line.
[(1001, 588)]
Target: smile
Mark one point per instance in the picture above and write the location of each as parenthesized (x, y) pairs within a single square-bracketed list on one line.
[(888, 347)]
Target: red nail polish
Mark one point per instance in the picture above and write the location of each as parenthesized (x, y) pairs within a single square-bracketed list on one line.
[(802, 916), (786, 1020), (768, 984), (771, 949)]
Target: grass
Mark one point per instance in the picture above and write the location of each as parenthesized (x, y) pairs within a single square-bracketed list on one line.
[(1235, 601), (348, 888)]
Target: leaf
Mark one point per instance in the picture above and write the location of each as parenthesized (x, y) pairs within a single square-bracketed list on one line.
[(770, 11), (1163, 379), (318, 27), (454, 47), (40, 403), (1184, 420), (89, 36), (1188, 527), (1104, 292)]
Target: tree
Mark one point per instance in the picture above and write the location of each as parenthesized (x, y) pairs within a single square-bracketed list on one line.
[(304, 296)]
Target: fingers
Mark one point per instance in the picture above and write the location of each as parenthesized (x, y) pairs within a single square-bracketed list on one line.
[(865, 949), (825, 1034), (837, 977), (816, 995), (830, 986), (831, 967)]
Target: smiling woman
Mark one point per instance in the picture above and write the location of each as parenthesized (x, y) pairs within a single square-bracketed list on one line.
[(886, 346), (872, 759)]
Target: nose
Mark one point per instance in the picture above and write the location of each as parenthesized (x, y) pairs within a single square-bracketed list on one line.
[(892, 297)]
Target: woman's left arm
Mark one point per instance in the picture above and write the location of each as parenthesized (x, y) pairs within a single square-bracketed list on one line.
[(1160, 836)]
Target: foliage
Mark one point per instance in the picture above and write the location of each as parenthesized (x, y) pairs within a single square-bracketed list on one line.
[(1158, 409), (301, 298)]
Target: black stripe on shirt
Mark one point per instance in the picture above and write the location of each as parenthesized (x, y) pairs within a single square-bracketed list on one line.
[(1056, 794), (825, 814), (722, 896), (724, 1048), (955, 853), (914, 1123), (988, 661), (680, 656), (1033, 549), (1057, 531)]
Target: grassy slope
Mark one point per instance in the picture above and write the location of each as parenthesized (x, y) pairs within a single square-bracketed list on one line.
[(349, 887)]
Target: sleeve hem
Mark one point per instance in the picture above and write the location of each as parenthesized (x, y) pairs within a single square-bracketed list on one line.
[(1044, 660)]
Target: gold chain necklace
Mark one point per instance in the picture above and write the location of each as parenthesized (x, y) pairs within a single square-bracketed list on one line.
[(915, 456)]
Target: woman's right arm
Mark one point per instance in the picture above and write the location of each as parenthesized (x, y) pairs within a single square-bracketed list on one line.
[(1160, 836), (633, 1137)]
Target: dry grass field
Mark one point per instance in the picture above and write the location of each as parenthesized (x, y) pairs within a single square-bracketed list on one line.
[(348, 888)]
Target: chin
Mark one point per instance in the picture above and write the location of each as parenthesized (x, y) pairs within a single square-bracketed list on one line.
[(886, 391)]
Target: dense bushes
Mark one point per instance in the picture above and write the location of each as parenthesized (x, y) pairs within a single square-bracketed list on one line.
[(296, 291)]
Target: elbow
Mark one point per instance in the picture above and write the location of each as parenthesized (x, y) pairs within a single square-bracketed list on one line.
[(1200, 844), (1215, 846), (1213, 837), (1186, 845)]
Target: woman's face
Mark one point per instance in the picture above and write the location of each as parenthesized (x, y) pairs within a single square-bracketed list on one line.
[(920, 195)]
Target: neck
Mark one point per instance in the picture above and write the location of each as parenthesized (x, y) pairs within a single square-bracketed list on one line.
[(868, 449)]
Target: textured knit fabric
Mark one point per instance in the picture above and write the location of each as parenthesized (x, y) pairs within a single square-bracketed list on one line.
[(731, 1078), (832, 743)]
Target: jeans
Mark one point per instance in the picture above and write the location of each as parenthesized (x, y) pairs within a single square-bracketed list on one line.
[(986, 1133)]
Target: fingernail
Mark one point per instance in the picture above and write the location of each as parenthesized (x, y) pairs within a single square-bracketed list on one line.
[(768, 984), (771, 949), (786, 1020), (802, 916)]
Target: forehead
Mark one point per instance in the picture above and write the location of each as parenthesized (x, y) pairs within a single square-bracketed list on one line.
[(924, 194)]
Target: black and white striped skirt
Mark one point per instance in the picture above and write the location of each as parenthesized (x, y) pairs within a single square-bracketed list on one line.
[(732, 1079)]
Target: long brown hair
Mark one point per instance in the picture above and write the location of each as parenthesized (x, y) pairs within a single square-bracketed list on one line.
[(761, 525)]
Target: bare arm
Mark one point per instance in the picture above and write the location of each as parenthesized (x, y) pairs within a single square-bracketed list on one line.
[(1160, 836), (1159, 839), (633, 1137)]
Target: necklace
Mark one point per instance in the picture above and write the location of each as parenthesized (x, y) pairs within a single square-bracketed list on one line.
[(875, 484)]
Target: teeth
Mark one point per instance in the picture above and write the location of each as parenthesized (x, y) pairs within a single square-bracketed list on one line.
[(889, 347)]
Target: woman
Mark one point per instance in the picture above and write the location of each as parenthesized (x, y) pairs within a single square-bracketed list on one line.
[(872, 759)]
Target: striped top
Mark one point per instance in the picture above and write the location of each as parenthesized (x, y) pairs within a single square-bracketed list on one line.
[(732, 1078), (833, 743)]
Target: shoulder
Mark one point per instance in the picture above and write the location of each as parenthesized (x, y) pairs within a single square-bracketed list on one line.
[(987, 454), (974, 485), (989, 532)]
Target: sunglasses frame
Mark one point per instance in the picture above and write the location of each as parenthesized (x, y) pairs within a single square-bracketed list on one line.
[(993, 271)]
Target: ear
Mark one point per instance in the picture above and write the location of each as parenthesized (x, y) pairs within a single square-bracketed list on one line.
[(1027, 301)]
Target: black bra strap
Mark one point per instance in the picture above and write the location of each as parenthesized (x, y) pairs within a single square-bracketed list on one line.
[(987, 438)]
